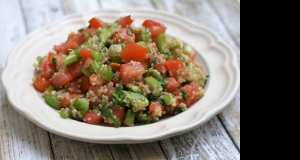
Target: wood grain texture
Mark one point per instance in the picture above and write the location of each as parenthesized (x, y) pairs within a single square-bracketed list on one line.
[(230, 14), (79, 6), (202, 12), (210, 141), (117, 4), (12, 28), (19, 138), (40, 13)]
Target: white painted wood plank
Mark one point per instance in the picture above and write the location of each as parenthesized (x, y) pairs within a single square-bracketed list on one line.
[(40, 13), (210, 141), (12, 27), (119, 4), (79, 6), (19, 138), (64, 148), (230, 13), (202, 12)]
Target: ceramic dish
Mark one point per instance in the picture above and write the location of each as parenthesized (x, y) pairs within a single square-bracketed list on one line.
[(217, 58)]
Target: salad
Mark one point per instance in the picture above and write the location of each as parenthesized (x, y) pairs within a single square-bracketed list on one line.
[(120, 74)]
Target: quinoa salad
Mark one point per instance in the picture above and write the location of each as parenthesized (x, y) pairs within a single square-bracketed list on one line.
[(120, 74)]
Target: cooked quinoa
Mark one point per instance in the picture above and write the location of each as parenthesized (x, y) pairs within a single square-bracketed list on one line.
[(117, 74)]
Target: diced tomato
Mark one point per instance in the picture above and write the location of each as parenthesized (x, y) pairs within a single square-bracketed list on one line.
[(48, 70), (160, 67), (85, 84), (97, 80), (85, 54), (61, 78), (191, 91), (132, 72), (92, 118), (88, 62), (133, 52), (74, 40), (155, 28), (91, 31), (172, 84), (125, 21), (125, 35), (74, 87), (115, 67), (59, 49), (41, 84), (70, 45), (95, 89), (154, 108), (59, 59), (109, 93), (67, 98), (97, 23), (119, 113), (75, 69), (175, 67)]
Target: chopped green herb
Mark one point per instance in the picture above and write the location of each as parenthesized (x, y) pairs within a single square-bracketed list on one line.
[(184, 95), (54, 62), (162, 102), (128, 31), (107, 112), (81, 30), (206, 81), (116, 78), (154, 62), (104, 50)]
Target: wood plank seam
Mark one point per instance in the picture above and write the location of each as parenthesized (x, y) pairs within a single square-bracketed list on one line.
[(229, 134)]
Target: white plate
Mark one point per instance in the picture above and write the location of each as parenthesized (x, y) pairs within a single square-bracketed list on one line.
[(217, 58)]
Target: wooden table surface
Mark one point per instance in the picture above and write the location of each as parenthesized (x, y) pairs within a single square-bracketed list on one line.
[(218, 139)]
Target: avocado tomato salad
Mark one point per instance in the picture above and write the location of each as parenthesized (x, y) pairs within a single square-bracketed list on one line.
[(120, 74)]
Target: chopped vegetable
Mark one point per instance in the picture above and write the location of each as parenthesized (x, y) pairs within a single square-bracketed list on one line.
[(120, 74)]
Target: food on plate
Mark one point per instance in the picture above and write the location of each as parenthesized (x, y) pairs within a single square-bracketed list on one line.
[(120, 74)]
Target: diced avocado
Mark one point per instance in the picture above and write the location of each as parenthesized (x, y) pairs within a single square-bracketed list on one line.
[(107, 32), (143, 44), (161, 42), (168, 99), (136, 101), (135, 89), (187, 49), (154, 86), (153, 72), (116, 60)]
